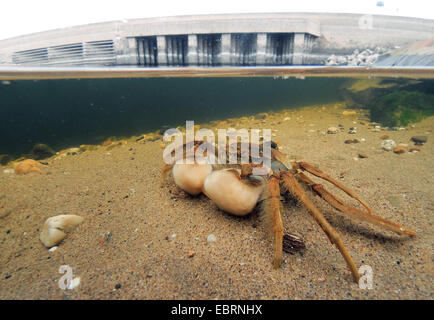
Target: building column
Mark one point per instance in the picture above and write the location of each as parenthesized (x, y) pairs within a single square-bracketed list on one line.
[(161, 51), (226, 49), (261, 49), (297, 57), (192, 50)]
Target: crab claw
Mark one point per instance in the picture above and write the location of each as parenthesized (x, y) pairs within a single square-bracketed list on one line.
[(231, 194), (190, 177)]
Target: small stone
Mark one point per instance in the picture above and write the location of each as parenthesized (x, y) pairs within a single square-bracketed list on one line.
[(414, 150), (173, 236), (118, 286), (349, 112), (106, 143), (72, 151), (191, 254), (384, 137), (8, 171), (353, 130), (332, 130), (419, 139), (286, 118), (388, 145), (261, 116), (362, 140), (399, 150), (363, 155), (5, 159), (41, 151), (52, 249), (211, 238), (349, 141)]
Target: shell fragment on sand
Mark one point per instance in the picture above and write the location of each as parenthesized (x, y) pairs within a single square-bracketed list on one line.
[(55, 228)]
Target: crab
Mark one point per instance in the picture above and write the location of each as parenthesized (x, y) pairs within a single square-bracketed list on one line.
[(236, 190)]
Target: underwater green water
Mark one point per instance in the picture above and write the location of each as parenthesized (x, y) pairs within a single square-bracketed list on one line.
[(66, 113)]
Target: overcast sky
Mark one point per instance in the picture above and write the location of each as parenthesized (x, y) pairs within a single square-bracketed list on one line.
[(18, 17)]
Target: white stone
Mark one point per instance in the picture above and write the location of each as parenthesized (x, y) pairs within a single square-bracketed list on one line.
[(388, 145), (55, 228), (211, 238)]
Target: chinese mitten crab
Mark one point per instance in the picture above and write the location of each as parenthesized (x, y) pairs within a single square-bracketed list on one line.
[(237, 191)]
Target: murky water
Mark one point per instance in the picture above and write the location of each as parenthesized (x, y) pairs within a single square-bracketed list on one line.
[(68, 113)]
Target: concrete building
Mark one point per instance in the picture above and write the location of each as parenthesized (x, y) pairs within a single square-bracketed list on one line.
[(278, 39)]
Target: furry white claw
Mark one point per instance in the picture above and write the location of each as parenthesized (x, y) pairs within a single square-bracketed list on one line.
[(231, 194), (190, 177)]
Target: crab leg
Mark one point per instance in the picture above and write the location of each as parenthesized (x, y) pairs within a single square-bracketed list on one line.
[(271, 206), (291, 184), (356, 213), (320, 174)]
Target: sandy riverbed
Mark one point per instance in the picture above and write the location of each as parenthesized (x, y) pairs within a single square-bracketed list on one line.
[(125, 248)]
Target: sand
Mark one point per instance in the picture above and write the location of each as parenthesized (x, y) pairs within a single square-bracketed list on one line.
[(142, 241)]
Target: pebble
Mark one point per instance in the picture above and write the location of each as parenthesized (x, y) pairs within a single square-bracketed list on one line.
[(261, 115), (414, 150), (211, 238), (332, 130), (362, 139), (8, 171), (384, 137), (73, 151), (388, 145), (191, 254), (353, 130), (173, 236), (286, 118), (53, 249), (399, 150), (363, 155), (349, 112), (351, 141), (419, 139)]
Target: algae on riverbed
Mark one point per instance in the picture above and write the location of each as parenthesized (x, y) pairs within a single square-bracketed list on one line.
[(402, 107)]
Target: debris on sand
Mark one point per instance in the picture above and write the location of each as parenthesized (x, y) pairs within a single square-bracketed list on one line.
[(27, 166)]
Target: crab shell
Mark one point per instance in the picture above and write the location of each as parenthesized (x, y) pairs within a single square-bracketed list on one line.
[(230, 193), (190, 177)]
